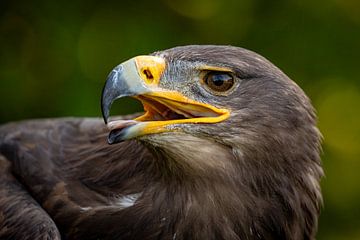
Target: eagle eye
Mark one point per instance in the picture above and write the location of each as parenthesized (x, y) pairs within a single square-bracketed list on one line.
[(219, 82)]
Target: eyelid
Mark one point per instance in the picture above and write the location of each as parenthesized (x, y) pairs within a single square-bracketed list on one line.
[(215, 69), (206, 69)]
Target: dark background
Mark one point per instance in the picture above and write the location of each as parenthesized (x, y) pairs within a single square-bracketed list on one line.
[(54, 58)]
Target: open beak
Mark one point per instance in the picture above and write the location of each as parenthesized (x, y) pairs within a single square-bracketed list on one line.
[(139, 77)]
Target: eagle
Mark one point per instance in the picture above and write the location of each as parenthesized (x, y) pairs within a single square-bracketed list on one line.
[(227, 148)]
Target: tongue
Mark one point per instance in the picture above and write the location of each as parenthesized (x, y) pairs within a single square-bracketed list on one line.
[(120, 124)]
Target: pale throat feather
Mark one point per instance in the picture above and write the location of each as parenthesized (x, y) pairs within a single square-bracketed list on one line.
[(200, 154)]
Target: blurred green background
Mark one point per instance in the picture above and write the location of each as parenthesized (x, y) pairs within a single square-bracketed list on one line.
[(54, 58)]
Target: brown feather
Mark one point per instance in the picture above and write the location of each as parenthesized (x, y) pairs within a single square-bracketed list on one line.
[(255, 176)]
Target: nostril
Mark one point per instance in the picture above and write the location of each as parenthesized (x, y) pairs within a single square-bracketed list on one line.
[(148, 74)]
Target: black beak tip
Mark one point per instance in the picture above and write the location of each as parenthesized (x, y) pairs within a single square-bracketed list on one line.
[(115, 136), (110, 141)]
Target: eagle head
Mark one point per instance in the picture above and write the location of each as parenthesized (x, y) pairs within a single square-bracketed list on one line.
[(232, 131)]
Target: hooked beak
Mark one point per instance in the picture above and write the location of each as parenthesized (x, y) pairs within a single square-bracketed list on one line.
[(139, 78)]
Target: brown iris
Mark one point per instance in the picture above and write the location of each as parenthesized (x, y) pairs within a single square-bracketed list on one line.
[(219, 82)]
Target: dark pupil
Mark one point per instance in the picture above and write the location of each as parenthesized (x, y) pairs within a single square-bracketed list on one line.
[(219, 79)]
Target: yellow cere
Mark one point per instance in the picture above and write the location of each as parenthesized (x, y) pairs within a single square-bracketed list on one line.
[(150, 68)]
